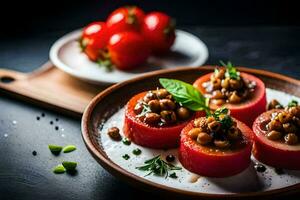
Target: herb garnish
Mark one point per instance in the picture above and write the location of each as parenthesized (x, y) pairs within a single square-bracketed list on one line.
[(221, 116), (126, 156), (59, 169), (69, 148), (55, 149), (173, 175), (185, 94), (231, 71), (158, 167), (69, 165), (293, 103), (146, 109), (126, 141), (136, 151)]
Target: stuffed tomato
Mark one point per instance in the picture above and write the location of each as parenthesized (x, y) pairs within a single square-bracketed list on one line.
[(243, 94), (153, 119), (215, 146), (276, 141)]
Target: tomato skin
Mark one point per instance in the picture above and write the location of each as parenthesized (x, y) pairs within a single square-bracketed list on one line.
[(273, 153), (149, 136), (127, 50), (159, 32), (125, 19), (245, 111), (200, 160), (94, 39)]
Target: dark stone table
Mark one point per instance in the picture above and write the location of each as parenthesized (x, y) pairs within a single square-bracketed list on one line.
[(25, 176)]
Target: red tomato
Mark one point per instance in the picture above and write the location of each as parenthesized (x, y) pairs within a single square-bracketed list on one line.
[(94, 39), (149, 136), (127, 50), (159, 31), (274, 153), (206, 161), (128, 18), (246, 111)]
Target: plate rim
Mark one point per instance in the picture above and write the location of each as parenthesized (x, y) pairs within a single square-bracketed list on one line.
[(145, 184), (57, 45)]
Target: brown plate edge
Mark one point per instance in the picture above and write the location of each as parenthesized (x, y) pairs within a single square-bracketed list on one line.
[(147, 185)]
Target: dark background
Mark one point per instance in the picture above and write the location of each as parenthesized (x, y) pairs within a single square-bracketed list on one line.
[(260, 34)]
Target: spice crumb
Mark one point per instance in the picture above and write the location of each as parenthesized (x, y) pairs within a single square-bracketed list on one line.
[(57, 119), (38, 118), (51, 122), (56, 128), (43, 115), (34, 153)]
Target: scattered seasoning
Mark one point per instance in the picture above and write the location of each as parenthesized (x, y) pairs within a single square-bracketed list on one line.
[(279, 171), (114, 133), (55, 149), (38, 118), (14, 122), (126, 156), (43, 115), (137, 151), (69, 148), (59, 169), (34, 153), (170, 158), (51, 122), (173, 175), (126, 141), (56, 128), (260, 167), (157, 166), (56, 119), (69, 165)]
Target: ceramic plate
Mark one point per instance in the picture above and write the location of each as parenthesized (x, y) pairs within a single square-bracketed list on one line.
[(107, 110), (188, 50)]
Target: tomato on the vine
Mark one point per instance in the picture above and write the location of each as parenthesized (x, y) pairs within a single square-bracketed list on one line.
[(94, 39), (159, 31), (128, 18), (127, 50)]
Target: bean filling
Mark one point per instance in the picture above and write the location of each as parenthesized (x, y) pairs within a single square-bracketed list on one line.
[(285, 125), (158, 108), (223, 88), (218, 130)]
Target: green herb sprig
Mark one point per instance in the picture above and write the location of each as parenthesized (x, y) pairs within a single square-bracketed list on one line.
[(185, 94), (146, 109), (231, 71), (226, 121), (293, 103), (158, 167)]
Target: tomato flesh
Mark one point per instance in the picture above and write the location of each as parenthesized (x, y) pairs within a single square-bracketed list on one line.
[(212, 162), (150, 136), (246, 111), (273, 153)]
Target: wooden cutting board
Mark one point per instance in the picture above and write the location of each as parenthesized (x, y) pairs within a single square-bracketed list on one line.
[(51, 88)]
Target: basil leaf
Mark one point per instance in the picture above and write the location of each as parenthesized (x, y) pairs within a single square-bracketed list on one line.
[(185, 94)]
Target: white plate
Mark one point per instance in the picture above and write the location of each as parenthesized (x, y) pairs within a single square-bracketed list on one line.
[(188, 50)]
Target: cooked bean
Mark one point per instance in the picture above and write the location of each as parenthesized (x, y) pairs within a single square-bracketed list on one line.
[(274, 104), (234, 98), (233, 133), (235, 84), (151, 118), (220, 74), (295, 111), (216, 84), (217, 94), (296, 120), (274, 135), (284, 117), (162, 93), (214, 126), (193, 133), (169, 96), (204, 138), (291, 138), (289, 128), (183, 113), (149, 96), (168, 116), (274, 125), (218, 102), (138, 108), (201, 123), (167, 104), (225, 83), (114, 133), (210, 119), (222, 144), (154, 105)]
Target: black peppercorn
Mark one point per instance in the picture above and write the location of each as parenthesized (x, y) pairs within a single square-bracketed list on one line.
[(170, 158)]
